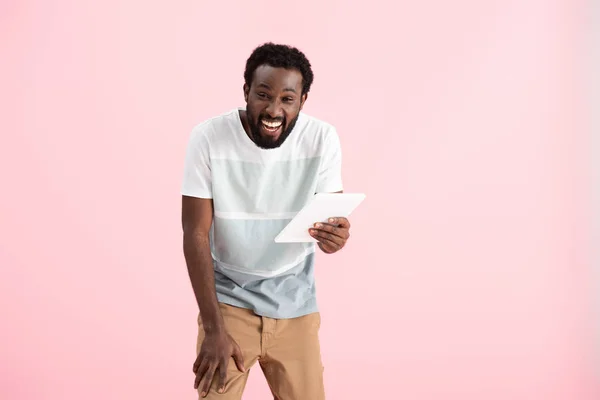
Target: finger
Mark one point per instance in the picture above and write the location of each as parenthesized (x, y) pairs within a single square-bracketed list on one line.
[(201, 370), (238, 358), (333, 229), (197, 364), (326, 249), (208, 378), (329, 245), (222, 375), (342, 222), (327, 237)]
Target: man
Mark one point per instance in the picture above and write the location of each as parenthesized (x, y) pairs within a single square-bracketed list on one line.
[(247, 173)]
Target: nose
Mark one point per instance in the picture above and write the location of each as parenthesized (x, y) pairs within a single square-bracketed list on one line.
[(274, 109)]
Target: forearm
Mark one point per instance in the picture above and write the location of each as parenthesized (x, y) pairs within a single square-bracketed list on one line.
[(196, 249)]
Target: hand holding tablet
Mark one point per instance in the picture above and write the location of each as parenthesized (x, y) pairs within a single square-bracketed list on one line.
[(332, 235), (321, 208)]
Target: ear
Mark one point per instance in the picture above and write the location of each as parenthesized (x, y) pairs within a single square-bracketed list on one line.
[(303, 99), (246, 91)]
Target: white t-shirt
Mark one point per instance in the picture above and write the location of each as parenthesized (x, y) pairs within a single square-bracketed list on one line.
[(255, 193)]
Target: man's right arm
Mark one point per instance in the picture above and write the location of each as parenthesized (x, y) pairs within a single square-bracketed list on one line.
[(218, 347), (196, 218)]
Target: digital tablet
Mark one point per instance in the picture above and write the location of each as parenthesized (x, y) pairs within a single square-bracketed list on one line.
[(319, 209)]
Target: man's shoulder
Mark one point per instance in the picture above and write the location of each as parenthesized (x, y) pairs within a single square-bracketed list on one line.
[(316, 123), (317, 128), (207, 128)]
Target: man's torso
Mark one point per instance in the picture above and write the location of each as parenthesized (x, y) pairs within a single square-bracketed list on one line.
[(255, 193)]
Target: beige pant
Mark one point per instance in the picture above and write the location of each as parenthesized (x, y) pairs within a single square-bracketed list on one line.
[(287, 351)]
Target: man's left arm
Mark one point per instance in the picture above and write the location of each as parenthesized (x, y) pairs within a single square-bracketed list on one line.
[(332, 235)]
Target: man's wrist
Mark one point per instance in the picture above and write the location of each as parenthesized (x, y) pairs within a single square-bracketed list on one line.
[(214, 329)]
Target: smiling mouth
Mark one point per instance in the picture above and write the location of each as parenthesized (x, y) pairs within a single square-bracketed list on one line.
[(271, 127)]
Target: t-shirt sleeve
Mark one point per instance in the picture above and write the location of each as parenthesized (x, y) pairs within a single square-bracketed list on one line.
[(197, 179), (330, 171)]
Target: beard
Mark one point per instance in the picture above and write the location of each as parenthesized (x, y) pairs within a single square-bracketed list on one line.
[(267, 142)]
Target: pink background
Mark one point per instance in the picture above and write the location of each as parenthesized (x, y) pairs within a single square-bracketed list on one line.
[(467, 275)]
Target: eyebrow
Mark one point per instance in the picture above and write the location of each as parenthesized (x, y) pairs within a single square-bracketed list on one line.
[(269, 87)]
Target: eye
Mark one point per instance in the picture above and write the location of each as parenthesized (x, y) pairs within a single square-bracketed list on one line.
[(262, 95), (288, 99)]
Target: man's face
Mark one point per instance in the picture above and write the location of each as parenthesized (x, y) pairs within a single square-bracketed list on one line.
[(273, 103)]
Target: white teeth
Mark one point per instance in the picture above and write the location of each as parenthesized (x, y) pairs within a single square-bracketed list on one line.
[(272, 124)]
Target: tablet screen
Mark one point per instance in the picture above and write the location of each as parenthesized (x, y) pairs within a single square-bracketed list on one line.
[(319, 209)]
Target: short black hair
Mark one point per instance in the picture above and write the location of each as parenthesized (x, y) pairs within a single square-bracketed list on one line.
[(279, 56)]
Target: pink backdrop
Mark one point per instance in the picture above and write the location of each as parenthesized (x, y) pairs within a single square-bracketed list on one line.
[(466, 276)]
